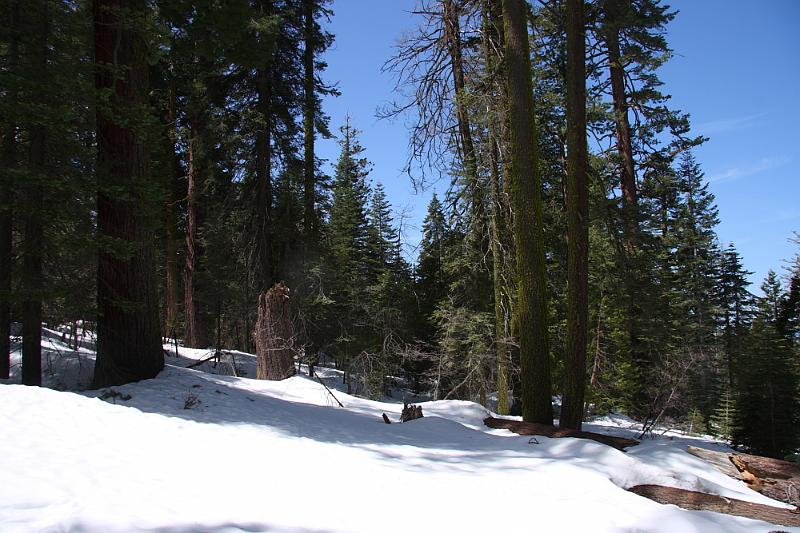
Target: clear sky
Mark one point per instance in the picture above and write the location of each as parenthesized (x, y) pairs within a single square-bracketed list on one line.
[(736, 70)]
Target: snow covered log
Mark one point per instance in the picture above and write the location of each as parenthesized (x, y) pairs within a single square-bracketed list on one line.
[(699, 501), (274, 335), (779, 480), (531, 428)]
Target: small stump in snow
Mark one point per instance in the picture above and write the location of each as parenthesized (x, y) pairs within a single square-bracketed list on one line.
[(410, 412), (274, 335)]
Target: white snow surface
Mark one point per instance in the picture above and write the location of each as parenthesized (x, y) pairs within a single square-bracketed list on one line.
[(252, 455)]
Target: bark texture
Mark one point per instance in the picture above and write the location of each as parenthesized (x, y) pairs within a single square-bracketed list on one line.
[(33, 243), (699, 501), (8, 162), (544, 430), (526, 202), (497, 220), (780, 480), (577, 198), (194, 332), (128, 336), (263, 157), (171, 278), (309, 179), (274, 335)]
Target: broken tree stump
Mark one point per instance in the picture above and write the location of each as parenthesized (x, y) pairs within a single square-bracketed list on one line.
[(410, 412), (532, 428), (699, 501), (776, 479), (274, 335)]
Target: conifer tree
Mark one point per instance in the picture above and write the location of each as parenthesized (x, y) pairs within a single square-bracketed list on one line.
[(526, 201), (578, 215), (128, 337), (768, 405)]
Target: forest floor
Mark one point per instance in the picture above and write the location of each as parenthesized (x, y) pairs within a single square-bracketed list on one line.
[(197, 451)]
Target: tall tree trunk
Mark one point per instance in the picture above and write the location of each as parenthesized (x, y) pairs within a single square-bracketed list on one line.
[(452, 28), (194, 332), (263, 155), (171, 279), (577, 221), (8, 162), (622, 127), (309, 180), (528, 232), (33, 243), (614, 14), (502, 322), (128, 336)]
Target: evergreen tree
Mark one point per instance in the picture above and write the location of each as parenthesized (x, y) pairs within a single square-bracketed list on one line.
[(735, 303), (128, 338), (431, 279), (349, 241), (767, 410), (526, 200)]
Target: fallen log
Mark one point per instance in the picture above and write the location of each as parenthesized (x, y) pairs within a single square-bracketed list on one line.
[(699, 501), (776, 479), (532, 428)]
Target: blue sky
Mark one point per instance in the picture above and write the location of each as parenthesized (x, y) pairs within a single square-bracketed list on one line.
[(735, 70)]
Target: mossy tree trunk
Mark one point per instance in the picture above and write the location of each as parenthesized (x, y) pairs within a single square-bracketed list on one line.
[(526, 200)]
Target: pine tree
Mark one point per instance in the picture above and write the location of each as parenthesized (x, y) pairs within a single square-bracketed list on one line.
[(735, 303), (349, 238), (578, 215), (767, 381), (128, 338), (526, 201), (431, 280)]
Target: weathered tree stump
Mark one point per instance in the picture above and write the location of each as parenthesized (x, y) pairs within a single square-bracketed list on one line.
[(410, 412), (274, 335)]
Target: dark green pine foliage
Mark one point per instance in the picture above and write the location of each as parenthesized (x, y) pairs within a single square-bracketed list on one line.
[(735, 310), (766, 420), (431, 279), (695, 275), (349, 242), (391, 291), (48, 189)]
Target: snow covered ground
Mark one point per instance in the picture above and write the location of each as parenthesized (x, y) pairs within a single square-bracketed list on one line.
[(194, 451)]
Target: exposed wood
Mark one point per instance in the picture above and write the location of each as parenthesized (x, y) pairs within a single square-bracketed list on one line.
[(410, 412), (776, 479), (698, 501), (720, 460), (531, 428), (386, 419), (274, 335)]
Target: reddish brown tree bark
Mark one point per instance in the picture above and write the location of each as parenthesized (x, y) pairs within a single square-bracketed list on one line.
[(274, 335), (128, 336)]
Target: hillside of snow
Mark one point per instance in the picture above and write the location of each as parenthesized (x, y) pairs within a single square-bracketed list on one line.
[(196, 451)]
